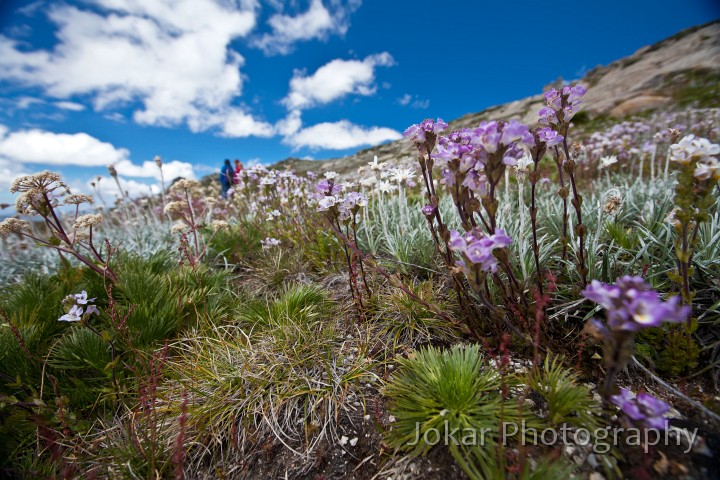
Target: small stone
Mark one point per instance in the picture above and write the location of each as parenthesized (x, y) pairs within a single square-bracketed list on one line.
[(592, 461), (366, 418), (391, 419), (353, 442), (596, 476), (569, 450), (343, 440)]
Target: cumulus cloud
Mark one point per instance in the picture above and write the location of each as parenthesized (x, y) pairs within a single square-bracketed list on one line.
[(109, 189), (49, 148), (22, 148), (340, 135), (335, 80), (148, 169), (318, 22), (172, 58), (290, 124)]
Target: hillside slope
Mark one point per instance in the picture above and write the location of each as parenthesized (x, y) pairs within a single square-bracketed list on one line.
[(680, 71)]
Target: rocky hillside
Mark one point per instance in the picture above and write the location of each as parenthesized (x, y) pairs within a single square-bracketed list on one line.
[(678, 72)]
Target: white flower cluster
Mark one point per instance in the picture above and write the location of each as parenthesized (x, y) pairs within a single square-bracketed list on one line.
[(269, 242), (700, 150)]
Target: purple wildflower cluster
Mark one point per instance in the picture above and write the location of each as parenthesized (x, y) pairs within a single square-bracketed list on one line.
[(561, 106), (643, 409), (425, 133), (327, 199), (632, 305), (76, 305), (477, 248)]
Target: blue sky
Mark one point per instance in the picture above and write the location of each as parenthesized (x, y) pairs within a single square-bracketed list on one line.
[(88, 83)]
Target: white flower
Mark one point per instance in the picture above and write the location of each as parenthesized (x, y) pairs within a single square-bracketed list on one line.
[(330, 175), (368, 182), (693, 148), (269, 243), (375, 166), (385, 187), (326, 203), (707, 168), (401, 175), (607, 161), (523, 164), (74, 315)]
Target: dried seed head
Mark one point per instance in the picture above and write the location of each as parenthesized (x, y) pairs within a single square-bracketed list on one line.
[(87, 221), (219, 225), (175, 207), (45, 181), (184, 184), (13, 225), (77, 199), (158, 161)]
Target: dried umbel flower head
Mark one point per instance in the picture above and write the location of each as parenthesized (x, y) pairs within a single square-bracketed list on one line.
[(177, 207), (178, 228), (45, 181), (87, 221), (112, 171), (78, 198), (13, 225), (184, 184), (217, 225), (158, 161), (613, 202), (31, 203)]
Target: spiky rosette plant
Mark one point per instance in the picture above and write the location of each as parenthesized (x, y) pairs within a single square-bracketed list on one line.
[(453, 398)]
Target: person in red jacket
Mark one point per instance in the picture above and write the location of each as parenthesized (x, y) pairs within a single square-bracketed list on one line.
[(238, 169)]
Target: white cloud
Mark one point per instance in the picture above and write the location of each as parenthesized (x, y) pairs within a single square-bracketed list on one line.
[(340, 135), (75, 107), (318, 22), (237, 123), (290, 124), (149, 169), (171, 57), (25, 102), (405, 99), (335, 80), (39, 146), (9, 171), (109, 189), (413, 102)]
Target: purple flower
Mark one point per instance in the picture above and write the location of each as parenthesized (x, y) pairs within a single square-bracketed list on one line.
[(549, 136), (81, 298), (328, 188), (477, 248), (561, 105), (631, 305), (418, 132), (643, 409), (513, 131), (74, 315), (429, 210)]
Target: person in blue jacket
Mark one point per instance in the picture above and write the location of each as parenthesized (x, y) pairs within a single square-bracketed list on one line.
[(226, 177)]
